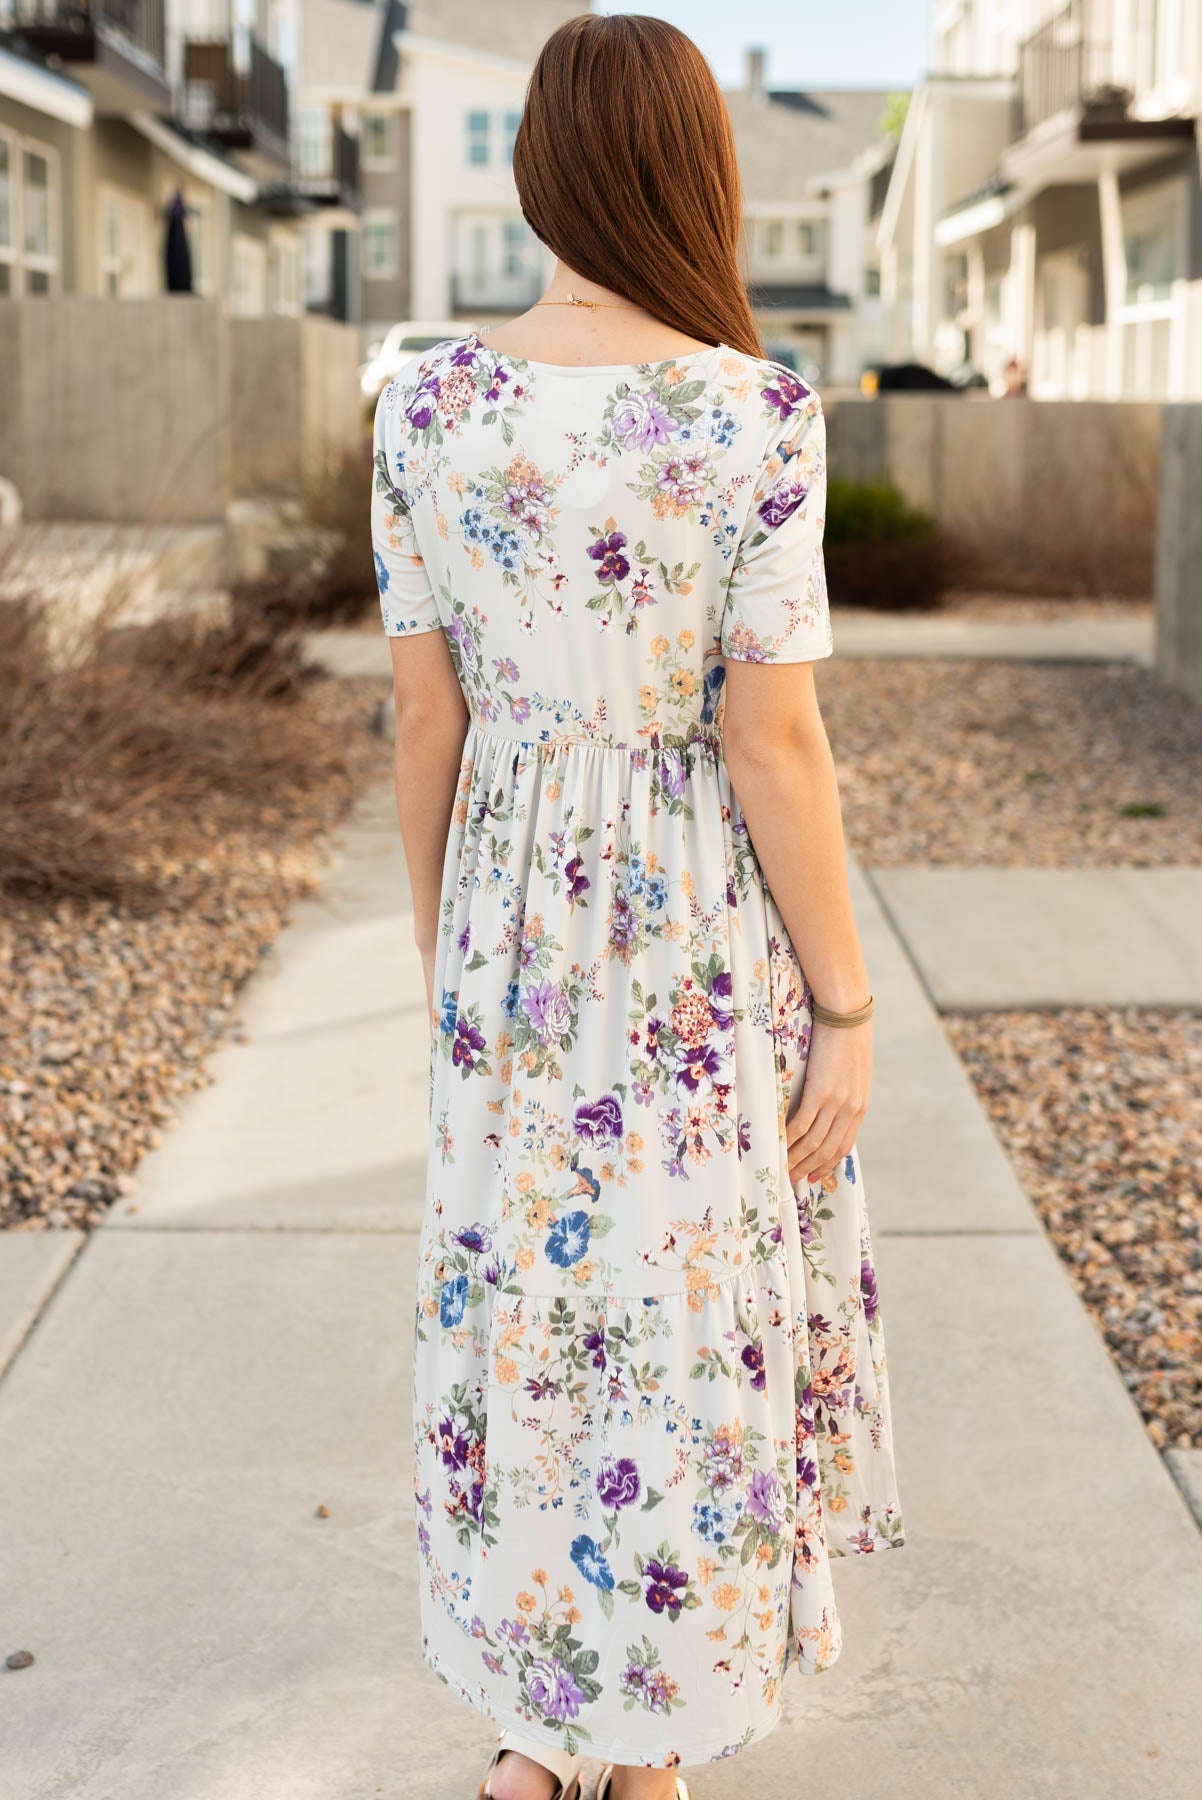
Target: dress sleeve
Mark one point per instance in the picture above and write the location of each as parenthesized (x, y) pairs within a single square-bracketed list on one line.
[(407, 603), (776, 605)]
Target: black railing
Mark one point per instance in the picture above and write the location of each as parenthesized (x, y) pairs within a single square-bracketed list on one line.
[(1062, 66), (236, 100), (345, 153), (70, 28)]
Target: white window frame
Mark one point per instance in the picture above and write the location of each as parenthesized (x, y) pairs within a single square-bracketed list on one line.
[(774, 238), (474, 135), (511, 118), (379, 215), (283, 272), (368, 118), (16, 256), (314, 141)]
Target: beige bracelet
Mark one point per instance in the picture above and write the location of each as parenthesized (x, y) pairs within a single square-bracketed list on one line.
[(824, 1016)]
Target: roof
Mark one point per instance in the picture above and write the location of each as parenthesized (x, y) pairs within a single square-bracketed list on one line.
[(804, 296), (787, 136)]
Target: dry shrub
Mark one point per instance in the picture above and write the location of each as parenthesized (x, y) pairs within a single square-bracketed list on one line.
[(108, 762)]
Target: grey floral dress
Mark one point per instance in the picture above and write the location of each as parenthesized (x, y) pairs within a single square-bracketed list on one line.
[(650, 1390)]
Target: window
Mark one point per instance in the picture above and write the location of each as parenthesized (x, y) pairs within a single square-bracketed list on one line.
[(512, 121), (29, 216), (124, 245), (517, 245), (248, 277), (8, 228), (314, 142), (377, 140), (477, 139), (198, 223), (1150, 240), (379, 245), (773, 234), (479, 251), (872, 282), (283, 273), (805, 238), (317, 252)]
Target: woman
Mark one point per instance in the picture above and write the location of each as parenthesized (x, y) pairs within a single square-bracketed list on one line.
[(650, 1391)]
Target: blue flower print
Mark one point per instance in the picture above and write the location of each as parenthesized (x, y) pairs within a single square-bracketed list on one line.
[(450, 1010), (381, 573), (452, 1301), (590, 1559), (568, 1240)]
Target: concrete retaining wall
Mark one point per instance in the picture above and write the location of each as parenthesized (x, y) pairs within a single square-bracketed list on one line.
[(1038, 495), (1179, 553), (164, 410), (115, 409), (295, 404)]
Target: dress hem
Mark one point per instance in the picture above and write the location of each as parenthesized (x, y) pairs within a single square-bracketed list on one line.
[(621, 1753)]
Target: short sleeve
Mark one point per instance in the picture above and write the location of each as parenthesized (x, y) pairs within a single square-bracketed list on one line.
[(407, 603), (776, 604)]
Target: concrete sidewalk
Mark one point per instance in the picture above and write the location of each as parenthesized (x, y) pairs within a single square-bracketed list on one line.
[(218, 1364)]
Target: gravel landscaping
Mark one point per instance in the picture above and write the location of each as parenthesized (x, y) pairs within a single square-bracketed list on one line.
[(1032, 764), (1101, 1113), (109, 1013)]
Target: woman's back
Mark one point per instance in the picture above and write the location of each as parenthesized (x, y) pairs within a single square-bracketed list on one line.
[(596, 539)]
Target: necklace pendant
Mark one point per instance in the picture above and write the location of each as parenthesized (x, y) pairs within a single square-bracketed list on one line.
[(574, 300)]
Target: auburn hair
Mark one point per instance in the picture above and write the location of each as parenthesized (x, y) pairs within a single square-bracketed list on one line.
[(625, 167)]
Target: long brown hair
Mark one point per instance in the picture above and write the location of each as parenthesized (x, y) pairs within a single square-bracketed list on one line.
[(625, 167)]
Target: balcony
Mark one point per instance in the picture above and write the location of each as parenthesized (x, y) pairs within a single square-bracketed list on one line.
[(236, 94), (116, 48), (331, 177), (1073, 111), (1066, 66)]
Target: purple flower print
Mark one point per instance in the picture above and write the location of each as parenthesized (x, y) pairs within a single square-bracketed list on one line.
[(421, 406), (552, 1690), (868, 1289), (663, 1587), (453, 1445), (782, 502), (549, 1011), (807, 1472), (469, 1042), (599, 1121), (672, 773), (595, 1343), (785, 393), (473, 1237), (642, 420), (607, 554), (618, 1481), (753, 1359), (766, 1500), (701, 1063), (507, 669), (575, 876), (623, 925)]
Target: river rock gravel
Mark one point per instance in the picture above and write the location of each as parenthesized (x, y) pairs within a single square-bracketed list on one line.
[(107, 1018), (1035, 764), (1100, 1111)]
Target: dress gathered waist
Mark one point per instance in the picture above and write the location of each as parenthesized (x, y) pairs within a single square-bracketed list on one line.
[(645, 743)]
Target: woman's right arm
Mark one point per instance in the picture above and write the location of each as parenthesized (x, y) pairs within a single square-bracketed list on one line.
[(783, 774)]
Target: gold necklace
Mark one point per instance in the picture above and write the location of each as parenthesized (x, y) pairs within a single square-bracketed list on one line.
[(576, 300)]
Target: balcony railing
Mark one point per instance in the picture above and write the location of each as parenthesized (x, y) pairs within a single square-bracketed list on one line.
[(329, 169), (1066, 64), (241, 100), (73, 29)]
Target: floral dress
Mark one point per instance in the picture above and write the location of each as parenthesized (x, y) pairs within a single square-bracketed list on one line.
[(650, 1383)]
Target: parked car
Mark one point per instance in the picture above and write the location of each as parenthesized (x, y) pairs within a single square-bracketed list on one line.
[(399, 344)]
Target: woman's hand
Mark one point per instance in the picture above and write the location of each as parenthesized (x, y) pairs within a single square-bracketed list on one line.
[(826, 1120)]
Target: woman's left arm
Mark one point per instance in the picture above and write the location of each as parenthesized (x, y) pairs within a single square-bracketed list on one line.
[(431, 725)]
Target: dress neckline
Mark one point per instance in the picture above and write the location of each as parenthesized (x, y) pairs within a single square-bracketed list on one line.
[(626, 368)]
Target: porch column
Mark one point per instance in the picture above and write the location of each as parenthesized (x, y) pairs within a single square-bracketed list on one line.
[(1114, 277), (1020, 291)]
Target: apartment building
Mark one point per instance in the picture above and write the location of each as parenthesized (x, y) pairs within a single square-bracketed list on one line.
[(114, 113), (1044, 216)]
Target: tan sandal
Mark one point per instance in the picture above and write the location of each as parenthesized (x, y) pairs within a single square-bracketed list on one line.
[(606, 1776), (561, 1793)]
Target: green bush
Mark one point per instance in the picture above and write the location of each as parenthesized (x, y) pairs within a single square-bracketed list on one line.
[(880, 551)]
